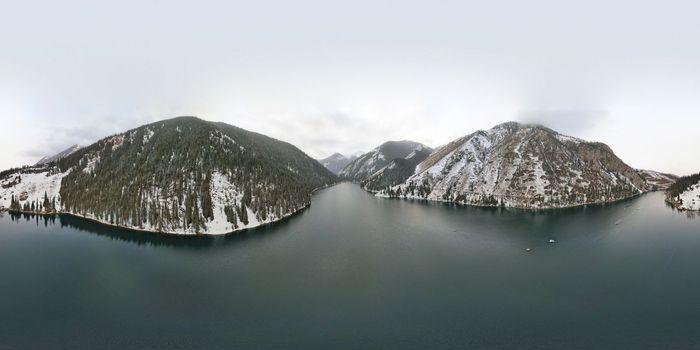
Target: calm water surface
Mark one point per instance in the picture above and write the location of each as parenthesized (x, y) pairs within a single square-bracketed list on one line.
[(358, 272)]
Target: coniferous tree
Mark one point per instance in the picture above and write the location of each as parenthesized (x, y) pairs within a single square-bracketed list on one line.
[(196, 219), (243, 214), (47, 204)]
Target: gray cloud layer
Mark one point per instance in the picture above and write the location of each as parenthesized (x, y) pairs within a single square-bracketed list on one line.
[(567, 121), (347, 76)]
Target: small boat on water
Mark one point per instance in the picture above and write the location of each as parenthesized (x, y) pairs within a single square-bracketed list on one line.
[(552, 241)]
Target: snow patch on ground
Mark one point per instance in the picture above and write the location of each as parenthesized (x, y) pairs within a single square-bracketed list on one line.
[(32, 187), (225, 193), (116, 141), (565, 138), (91, 163), (290, 168), (691, 198), (148, 135), (540, 176), (222, 193), (28, 187)]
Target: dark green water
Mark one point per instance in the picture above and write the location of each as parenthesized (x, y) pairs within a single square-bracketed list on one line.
[(358, 272)]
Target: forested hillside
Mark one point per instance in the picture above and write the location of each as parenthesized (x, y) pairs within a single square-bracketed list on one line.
[(657, 180), (186, 175), (397, 171), (685, 193)]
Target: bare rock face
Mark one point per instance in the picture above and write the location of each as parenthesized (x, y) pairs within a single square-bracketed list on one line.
[(520, 165)]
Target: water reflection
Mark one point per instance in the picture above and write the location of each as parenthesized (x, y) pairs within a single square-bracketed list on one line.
[(152, 239), (523, 226), (526, 220), (38, 219), (690, 214)]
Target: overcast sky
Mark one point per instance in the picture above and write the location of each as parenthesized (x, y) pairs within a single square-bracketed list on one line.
[(346, 76)]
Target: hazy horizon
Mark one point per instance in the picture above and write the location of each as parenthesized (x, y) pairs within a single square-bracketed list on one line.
[(327, 154), (346, 77)]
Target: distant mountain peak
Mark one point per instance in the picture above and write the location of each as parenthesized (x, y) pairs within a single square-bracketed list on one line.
[(367, 164), (48, 159), (336, 162), (657, 180)]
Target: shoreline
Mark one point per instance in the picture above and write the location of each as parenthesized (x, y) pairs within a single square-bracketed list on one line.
[(676, 206), (170, 233), (314, 191), (164, 233), (377, 194)]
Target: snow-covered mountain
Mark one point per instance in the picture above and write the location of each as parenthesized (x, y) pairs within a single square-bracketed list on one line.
[(684, 194), (658, 181), (521, 165), (397, 171), (65, 153), (336, 162), (182, 175), (372, 161)]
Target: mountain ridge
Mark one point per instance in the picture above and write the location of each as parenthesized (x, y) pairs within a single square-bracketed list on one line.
[(48, 159), (521, 165), (372, 161), (657, 180), (179, 175), (336, 162)]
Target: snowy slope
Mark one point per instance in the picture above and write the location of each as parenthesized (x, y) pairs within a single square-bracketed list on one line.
[(526, 166), (658, 181), (690, 199), (65, 153), (30, 185), (336, 162), (684, 194), (372, 161), (397, 171), (182, 175)]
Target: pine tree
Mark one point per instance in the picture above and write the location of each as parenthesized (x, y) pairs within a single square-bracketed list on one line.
[(195, 217), (47, 204), (247, 196), (243, 214)]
